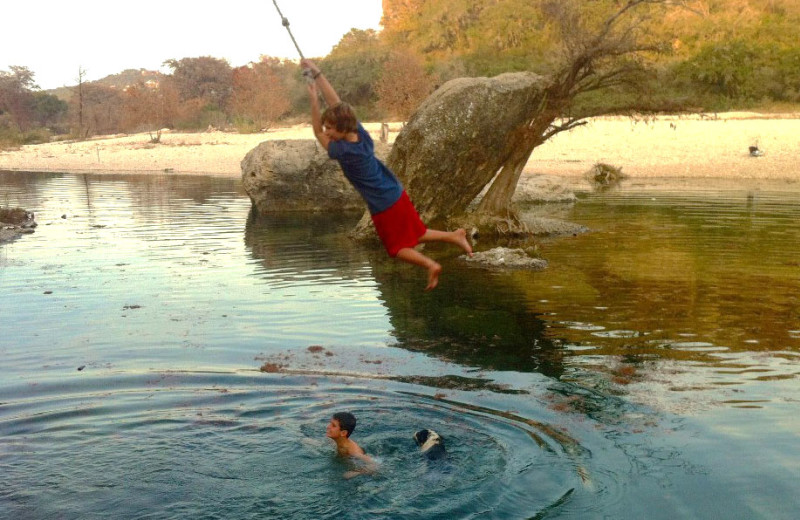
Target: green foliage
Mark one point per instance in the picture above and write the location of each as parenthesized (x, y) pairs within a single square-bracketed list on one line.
[(16, 96), (11, 137), (724, 53), (49, 111), (206, 78), (354, 66), (738, 73)]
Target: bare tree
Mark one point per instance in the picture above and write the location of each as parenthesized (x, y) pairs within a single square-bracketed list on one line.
[(596, 57), (79, 102)]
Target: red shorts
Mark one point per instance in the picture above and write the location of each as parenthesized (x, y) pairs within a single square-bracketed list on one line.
[(399, 226)]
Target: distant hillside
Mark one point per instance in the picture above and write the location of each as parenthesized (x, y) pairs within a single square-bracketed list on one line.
[(123, 79)]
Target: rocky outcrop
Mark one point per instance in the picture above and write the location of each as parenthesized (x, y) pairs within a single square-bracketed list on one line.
[(460, 137), (15, 222), (297, 175)]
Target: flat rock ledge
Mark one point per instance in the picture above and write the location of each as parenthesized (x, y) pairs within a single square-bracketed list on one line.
[(503, 257)]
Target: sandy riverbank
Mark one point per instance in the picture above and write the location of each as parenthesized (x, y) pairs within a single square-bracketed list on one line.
[(679, 147)]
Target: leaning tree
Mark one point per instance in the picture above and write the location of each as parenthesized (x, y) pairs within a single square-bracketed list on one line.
[(477, 132)]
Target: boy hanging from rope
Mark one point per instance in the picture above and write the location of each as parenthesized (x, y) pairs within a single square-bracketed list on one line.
[(396, 220)]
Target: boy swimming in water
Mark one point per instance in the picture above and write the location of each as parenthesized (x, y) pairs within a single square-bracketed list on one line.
[(339, 429), (396, 220)]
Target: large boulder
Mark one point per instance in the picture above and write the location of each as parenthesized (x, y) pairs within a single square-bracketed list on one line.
[(458, 140), (297, 175), (460, 137)]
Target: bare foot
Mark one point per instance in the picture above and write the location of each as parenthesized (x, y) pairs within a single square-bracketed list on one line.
[(462, 242), (433, 276)]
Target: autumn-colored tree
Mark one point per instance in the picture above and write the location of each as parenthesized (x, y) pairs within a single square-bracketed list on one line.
[(403, 85), (96, 109), (149, 107), (259, 94), (487, 37)]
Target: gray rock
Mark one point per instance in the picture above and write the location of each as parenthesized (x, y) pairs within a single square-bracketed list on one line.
[(15, 222), (552, 227), (503, 257), (297, 175), (460, 137)]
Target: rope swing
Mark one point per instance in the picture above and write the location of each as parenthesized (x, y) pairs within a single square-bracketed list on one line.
[(285, 22)]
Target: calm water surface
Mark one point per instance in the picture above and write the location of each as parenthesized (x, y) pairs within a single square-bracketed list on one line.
[(650, 372)]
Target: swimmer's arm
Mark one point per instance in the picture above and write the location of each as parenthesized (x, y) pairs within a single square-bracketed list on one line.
[(368, 468)]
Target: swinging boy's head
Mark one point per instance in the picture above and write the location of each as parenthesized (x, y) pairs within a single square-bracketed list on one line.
[(338, 121)]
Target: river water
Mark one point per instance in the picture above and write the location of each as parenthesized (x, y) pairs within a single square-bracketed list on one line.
[(165, 354)]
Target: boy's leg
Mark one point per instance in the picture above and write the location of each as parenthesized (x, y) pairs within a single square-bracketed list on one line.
[(412, 256), (457, 237)]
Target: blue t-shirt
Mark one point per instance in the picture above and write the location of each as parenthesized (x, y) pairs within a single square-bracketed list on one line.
[(374, 181)]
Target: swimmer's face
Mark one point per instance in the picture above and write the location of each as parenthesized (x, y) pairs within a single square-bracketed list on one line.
[(334, 430)]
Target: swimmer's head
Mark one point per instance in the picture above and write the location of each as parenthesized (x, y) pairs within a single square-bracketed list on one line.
[(343, 422)]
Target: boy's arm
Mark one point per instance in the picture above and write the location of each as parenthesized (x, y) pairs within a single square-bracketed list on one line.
[(328, 93), (368, 468), (316, 117)]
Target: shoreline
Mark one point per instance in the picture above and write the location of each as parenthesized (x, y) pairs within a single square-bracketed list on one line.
[(677, 147)]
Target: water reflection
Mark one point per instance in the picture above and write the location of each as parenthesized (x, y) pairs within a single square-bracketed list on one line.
[(306, 248), (169, 297)]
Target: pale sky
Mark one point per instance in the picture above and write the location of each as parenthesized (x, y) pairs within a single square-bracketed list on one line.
[(55, 37)]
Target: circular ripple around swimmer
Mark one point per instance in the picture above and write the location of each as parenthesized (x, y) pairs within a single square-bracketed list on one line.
[(494, 468), (187, 446)]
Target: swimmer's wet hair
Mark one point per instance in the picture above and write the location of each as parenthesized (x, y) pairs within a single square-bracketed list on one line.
[(347, 421)]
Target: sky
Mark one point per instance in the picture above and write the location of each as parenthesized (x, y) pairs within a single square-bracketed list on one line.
[(54, 38)]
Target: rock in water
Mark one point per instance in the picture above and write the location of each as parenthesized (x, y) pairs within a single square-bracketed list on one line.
[(297, 175), (507, 258), (460, 136)]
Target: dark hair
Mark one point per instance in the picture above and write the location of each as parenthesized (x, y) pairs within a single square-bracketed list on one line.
[(347, 421), (341, 117)]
